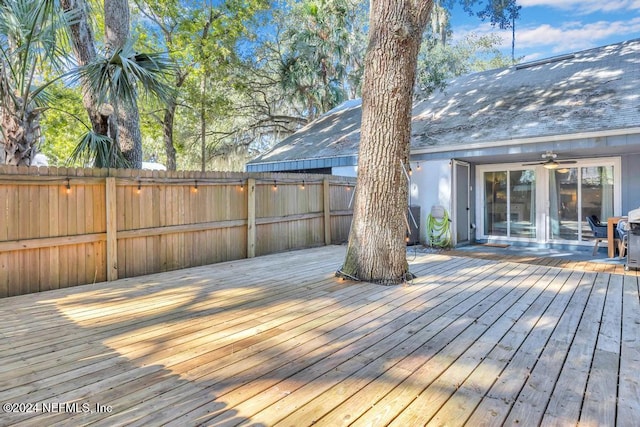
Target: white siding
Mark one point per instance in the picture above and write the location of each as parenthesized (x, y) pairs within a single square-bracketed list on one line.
[(430, 185)]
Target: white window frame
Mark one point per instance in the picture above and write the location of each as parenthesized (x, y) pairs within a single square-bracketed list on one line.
[(542, 196)]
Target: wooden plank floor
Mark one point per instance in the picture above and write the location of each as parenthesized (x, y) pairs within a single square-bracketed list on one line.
[(278, 340), (605, 266)]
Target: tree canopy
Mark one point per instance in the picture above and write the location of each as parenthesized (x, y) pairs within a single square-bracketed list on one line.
[(241, 74)]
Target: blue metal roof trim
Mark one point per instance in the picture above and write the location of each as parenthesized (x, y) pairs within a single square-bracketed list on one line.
[(302, 164)]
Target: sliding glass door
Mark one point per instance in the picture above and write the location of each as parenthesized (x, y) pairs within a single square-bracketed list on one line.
[(510, 208), (545, 205), (576, 193)]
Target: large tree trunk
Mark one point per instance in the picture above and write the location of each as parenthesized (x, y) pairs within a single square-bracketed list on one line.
[(20, 133), (116, 29), (129, 137), (85, 52), (169, 121), (377, 249)]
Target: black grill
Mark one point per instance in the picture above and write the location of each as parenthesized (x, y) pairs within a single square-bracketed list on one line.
[(633, 245)]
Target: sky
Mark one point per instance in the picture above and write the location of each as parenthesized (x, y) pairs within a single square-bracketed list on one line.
[(548, 28)]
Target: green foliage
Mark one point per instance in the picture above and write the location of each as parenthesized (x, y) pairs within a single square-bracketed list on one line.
[(29, 44), (500, 13), (239, 75), (99, 151), (439, 62), (30, 50), (63, 124), (205, 42), (321, 62), (117, 78)]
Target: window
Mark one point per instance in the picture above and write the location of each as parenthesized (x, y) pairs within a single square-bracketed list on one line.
[(576, 193), (510, 208), (546, 205)]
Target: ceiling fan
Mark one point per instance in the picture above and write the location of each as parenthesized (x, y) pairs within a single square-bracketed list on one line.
[(550, 162)]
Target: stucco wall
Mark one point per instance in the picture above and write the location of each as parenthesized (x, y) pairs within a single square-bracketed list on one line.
[(630, 182), (430, 185)]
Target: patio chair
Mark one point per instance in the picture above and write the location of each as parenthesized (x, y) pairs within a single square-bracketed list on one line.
[(599, 231), (622, 229)]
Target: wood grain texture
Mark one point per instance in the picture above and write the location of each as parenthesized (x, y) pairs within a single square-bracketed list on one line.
[(278, 340), (123, 223)]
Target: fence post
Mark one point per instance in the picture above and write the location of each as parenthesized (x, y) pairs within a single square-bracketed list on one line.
[(251, 218), (327, 211), (112, 230)]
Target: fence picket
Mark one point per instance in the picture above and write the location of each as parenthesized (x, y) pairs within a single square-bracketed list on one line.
[(63, 227)]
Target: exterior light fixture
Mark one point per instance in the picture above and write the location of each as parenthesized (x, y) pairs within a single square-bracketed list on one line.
[(68, 186), (195, 186)]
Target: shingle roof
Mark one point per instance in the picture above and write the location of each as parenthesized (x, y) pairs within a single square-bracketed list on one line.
[(592, 90)]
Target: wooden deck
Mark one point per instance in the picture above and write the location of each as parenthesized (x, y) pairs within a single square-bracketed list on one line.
[(277, 340)]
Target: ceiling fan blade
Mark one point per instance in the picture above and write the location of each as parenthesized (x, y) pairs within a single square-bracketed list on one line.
[(567, 162), (532, 164)]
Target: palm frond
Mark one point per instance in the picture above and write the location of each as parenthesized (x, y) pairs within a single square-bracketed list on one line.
[(31, 32), (98, 150), (117, 78)]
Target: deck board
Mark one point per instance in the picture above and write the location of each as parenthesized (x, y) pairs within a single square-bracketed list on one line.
[(278, 340), (599, 403), (628, 409), (569, 392)]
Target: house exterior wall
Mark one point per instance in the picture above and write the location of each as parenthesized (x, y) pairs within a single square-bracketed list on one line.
[(430, 185), (630, 182)]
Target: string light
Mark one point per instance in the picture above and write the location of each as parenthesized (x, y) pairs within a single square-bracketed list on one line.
[(68, 186), (139, 187), (195, 186), (347, 188), (275, 185), (242, 186), (418, 167), (302, 186)]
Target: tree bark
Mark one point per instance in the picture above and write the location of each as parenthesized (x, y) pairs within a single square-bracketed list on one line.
[(203, 123), (169, 121), (377, 249), (84, 49), (116, 24), (20, 133), (167, 134)]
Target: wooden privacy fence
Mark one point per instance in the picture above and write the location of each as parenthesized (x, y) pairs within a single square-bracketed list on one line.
[(65, 227)]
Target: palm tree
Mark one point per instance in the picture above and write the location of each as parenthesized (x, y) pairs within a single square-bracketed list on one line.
[(29, 49), (115, 79), (321, 61), (33, 34)]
